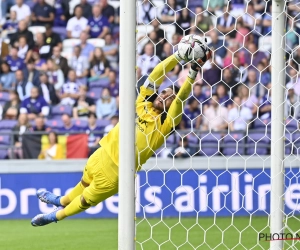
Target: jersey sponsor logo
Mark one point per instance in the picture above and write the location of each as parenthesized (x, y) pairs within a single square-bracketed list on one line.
[(143, 122)]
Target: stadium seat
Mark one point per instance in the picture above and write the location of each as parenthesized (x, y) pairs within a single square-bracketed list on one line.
[(4, 140), (60, 31), (296, 143), (58, 110), (82, 124), (291, 125), (54, 124), (3, 154), (233, 144), (257, 143), (69, 44), (262, 125), (102, 82), (97, 42), (209, 144), (36, 29), (4, 97), (264, 43), (169, 29), (288, 143), (101, 123), (95, 93), (7, 125)]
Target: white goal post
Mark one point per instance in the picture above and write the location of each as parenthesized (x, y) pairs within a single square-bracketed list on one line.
[(246, 187)]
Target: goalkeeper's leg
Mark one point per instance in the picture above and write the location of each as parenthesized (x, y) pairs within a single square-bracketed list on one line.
[(159, 72)]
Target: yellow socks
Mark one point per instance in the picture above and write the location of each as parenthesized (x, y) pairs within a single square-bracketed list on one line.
[(76, 191)]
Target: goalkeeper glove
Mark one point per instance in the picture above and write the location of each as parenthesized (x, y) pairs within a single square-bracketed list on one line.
[(195, 67)]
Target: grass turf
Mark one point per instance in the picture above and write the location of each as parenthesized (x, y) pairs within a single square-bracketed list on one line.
[(152, 234)]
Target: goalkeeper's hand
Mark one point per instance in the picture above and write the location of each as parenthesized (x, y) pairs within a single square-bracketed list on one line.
[(207, 56), (194, 69)]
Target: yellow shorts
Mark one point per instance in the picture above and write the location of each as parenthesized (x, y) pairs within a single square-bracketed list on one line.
[(101, 174)]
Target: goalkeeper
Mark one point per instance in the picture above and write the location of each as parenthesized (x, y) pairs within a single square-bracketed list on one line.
[(158, 115)]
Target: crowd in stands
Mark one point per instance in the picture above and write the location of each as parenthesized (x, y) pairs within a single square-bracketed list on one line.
[(59, 64)]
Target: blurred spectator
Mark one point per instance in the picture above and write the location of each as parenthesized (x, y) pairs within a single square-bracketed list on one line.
[(7, 78), (213, 6), (247, 99), (68, 125), (256, 88), (42, 13), (31, 74), (212, 75), (111, 51), (254, 56), (43, 49), (294, 81), (15, 63), (183, 150), (11, 25), (183, 75), (22, 11), (168, 12), (23, 87), (1, 112), (53, 151), (160, 34), (239, 116), (265, 75), (86, 8), (69, 91), (224, 98), (226, 23), (267, 22), (61, 61), (291, 107), (146, 12), (51, 38), (202, 23), (198, 94), (22, 126), (39, 124), (191, 116), (252, 20), (34, 105), (259, 5), (113, 122), (76, 24), (99, 65), (61, 13), (243, 35), (183, 21), (228, 79), (55, 74), (84, 104), (47, 90), (94, 132), (265, 105), (98, 25), (167, 51), (12, 107), (22, 31), (39, 63), (108, 11), (24, 52), (87, 49), (106, 106), (80, 64), (292, 35), (217, 45), (239, 72), (113, 85), (4, 49), (148, 60), (215, 115)]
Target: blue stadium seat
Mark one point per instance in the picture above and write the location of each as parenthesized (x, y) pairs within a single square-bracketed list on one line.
[(100, 83), (210, 144), (102, 123), (82, 124), (58, 110), (95, 93), (291, 125), (7, 124), (54, 124), (233, 144), (257, 143)]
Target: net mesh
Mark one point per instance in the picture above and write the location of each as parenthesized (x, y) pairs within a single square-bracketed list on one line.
[(208, 186)]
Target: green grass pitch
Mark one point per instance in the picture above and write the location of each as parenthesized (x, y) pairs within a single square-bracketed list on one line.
[(152, 234)]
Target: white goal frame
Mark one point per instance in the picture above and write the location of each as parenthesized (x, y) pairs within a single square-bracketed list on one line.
[(126, 224)]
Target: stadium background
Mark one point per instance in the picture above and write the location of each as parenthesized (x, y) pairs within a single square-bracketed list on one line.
[(76, 78)]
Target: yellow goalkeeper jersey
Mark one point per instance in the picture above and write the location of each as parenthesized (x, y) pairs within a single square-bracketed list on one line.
[(152, 128)]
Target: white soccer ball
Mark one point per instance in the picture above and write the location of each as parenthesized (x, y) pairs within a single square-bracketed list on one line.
[(192, 48)]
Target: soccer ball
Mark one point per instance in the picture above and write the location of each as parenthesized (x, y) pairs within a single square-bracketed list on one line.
[(192, 48)]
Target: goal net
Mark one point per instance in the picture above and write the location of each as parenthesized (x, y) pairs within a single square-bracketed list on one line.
[(209, 185)]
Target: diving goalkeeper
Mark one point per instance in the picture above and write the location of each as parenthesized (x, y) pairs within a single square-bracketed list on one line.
[(157, 117)]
